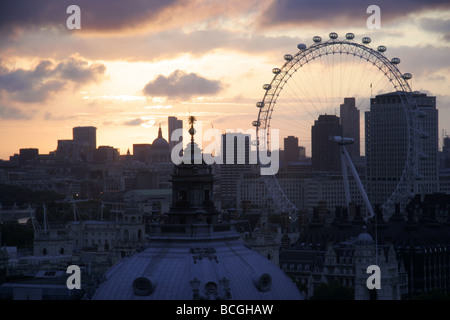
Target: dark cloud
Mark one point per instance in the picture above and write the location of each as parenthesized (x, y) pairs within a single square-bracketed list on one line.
[(134, 122), (421, 61), (350, 13), (79, 70), (12, 113), (147, 47), (95, 15), (437, 25), (51, 117), (37, 84), (180, 84)]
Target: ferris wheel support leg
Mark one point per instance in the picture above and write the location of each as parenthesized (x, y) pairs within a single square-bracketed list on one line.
[(358, 182), (345, 177)]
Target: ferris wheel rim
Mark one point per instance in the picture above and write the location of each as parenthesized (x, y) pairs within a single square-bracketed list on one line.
[(318, 50)]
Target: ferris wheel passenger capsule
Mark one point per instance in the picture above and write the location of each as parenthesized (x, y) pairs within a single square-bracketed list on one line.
[(407, 76), (395, 60), (317, 39), (301, 46), (381, 48), (267, 86), (366, 40), (260, 104), (276, 70), (256, 123), (288, 57), (333, 35), (350, 36)]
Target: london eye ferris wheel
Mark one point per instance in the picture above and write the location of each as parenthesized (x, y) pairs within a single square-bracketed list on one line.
[(314, 81)]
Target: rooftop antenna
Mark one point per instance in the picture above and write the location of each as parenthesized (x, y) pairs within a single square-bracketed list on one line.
[(376, 240), (74, 208), (45, 219), (192, 120), (36, 225)]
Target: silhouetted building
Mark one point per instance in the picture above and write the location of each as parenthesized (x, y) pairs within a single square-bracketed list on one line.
[(345, 263), (141, 151), (85, 137), (65, 150), (349, 115), (236, 161), (174, 124), (302, 152), (27, 155), (81, 148), (420, 245), (291, 149), (446, 152), (160, 150), (325, 153), (106, 154), (387, 143), (193, 256), (156, 152)]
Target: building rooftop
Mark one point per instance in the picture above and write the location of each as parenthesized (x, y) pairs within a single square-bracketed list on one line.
[(197, 270), (191, 255)]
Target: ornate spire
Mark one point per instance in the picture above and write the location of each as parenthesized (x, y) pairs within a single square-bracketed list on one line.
[(192, 120), (160, 131)]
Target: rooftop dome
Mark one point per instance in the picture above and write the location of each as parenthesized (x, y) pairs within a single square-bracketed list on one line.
[(205, 270), (192, 255), (364, 238), (160, 142)]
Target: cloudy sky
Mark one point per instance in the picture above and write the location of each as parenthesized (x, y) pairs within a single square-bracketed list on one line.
[(134, 63)]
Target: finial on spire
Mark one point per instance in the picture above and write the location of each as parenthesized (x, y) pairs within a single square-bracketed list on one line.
[(192, 120), (160, 131)]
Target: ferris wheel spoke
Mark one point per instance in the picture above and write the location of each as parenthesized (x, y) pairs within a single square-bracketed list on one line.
[(314, 81)]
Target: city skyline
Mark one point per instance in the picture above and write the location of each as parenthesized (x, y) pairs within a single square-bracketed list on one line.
[(125, 78)]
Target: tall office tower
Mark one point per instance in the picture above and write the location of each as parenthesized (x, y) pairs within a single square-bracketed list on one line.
[(174, 124), (28, 154), (386, 145), (446, 152), (349, 115), (325, 153), (84, 143), (291, 149), (236, 161), (302, 152), (142, 152), (85, 136), (65, 150)]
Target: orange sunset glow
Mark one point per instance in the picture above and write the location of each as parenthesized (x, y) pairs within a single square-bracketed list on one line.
[(129, 67)]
